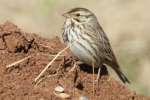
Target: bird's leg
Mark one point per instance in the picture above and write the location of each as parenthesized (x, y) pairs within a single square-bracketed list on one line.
[(101, 71), (98, 75), (93, 66)]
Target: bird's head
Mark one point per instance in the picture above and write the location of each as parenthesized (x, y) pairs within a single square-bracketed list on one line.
[(80, 15)]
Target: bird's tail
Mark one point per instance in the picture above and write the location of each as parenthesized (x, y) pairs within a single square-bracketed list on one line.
[(120, 74)]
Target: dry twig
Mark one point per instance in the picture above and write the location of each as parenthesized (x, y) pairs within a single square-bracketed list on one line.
[(17, 62), (47, 66)]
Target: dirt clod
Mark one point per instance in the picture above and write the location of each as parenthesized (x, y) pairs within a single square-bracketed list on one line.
[(17, 83)]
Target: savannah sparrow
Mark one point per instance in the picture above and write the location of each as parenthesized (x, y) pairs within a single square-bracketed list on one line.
[(88, 41)]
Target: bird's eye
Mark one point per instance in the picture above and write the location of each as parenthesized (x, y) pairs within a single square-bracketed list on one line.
[(78, 14)]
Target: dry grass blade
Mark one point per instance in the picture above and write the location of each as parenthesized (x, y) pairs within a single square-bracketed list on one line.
[(17, 62), (50, 55), (47, 66), (45, 46), (73, 68)]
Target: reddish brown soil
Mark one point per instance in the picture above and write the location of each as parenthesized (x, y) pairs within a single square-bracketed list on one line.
[(17, 83)]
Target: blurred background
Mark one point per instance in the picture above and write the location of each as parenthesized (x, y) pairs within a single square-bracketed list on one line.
[(126, 22)]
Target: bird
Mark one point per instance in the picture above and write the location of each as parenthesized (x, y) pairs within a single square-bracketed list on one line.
[(88, 41)]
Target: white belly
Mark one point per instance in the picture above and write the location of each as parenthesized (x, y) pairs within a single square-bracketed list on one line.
[(82, 53)]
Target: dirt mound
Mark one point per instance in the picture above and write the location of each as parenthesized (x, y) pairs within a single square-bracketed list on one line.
[(16, 83)]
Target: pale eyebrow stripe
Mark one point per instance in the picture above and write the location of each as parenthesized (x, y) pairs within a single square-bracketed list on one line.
[(89, 15)]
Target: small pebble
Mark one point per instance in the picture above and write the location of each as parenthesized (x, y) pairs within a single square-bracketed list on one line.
[(59, 89), (83, 98), (63, 95)]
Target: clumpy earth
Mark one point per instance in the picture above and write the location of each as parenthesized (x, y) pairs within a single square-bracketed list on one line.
[(17, 82)]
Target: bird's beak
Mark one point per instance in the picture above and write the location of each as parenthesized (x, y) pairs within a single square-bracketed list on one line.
[(66, 15)]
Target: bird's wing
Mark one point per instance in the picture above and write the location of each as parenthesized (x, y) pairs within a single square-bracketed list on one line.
[(105, 47), (109, 57)]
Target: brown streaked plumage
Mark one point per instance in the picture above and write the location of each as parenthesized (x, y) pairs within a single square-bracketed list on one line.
[(88, 41)]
